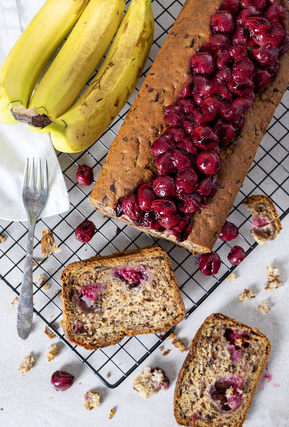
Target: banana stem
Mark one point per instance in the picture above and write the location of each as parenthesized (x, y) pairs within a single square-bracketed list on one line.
[(30, 116)]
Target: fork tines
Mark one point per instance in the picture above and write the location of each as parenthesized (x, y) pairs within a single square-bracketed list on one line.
[(40, 174)]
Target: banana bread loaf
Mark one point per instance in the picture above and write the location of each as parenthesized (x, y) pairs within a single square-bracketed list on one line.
[(266, 223), (193, 129), (124, 294), (218, 379)]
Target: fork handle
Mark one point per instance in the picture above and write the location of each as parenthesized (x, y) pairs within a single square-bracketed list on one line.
[(25, 306)]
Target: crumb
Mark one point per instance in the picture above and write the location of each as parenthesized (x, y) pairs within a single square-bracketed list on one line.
[(150, 381), (111, 413), (273, 282), (91, 399), (165, 353), (177, 342), (49, 333), (264, 307), (48, 244), (41, 282), (52, 353), (36, 262), (247, 294), (231, 277), (27, 364), (2, 237), (58, 293), (161, 348), (15, 301), (108, 375)]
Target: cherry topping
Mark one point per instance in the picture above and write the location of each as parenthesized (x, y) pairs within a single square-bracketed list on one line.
[(223, 22), (208, 162), (62, 380), (145, 196), (85, 231), (261, 78), (187, 145), (186, 181), (177, 132), (231, 5), (181, 160), (229, 231), (162, 144), (258, 25), (209, 263), (174, 115), (203, 63), (241, 86), (164, 186), (130, 207), (189, 203), (165, 164), (204, 137), (208, 186), (242, 68), (166, 212), (217, 41), (225, 131), (149, 221), (266, 56), (84, 175), (236, 255), (258, 4)]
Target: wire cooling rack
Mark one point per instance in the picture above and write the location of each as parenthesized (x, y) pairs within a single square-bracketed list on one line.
[(269, 174)]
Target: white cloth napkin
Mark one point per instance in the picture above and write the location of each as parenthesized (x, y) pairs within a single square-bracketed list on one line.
[(17, 142)]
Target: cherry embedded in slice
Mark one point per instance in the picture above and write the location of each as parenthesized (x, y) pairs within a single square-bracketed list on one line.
[(208, 162), (236, 255), (62, 380), (164, 186), (145, 196), (84, 175), (85, 231), (228, 232), (223, 22), (204, 137), (203, 63), (209, 263), (130, 207)]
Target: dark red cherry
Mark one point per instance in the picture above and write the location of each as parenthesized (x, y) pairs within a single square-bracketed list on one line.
[(145, 196), (217, 41), (189, 125), (149, 221), (266, 56), (189, 203), (187, 145), (244, 15), (223, 22), (225, 131), (261, 78), (181, 159), (228, 232), (242, 69), (164, 186), (62, 380), (203, 63), (273, 69), (187, 104), (238, 52), (241, 86), (209, 263), (85, 231), (275, 13), (258, 4), (130, 207), (236, 255), (210, 107), (240, 105), (208, 162), (204, 86), (273, 38), (84, 175), (178, 132), (204, 137), (186, 90), (186, 181), (231, 6), (174, 115), (161, 145), (258, 25), (224, 58), (166, 212), (241, 37), (165, 164), (284, 45), (239, 123), (208, 186)]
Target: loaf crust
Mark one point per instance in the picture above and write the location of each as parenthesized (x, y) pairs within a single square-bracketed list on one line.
[(262, 206), (152, 307), (193, 359), (129, 162)]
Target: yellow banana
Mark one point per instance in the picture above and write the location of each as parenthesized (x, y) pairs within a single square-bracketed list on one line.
[(32, 52), (78, 57), (88, 118)]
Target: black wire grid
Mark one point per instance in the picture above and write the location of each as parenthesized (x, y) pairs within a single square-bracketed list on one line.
[(269, 174)]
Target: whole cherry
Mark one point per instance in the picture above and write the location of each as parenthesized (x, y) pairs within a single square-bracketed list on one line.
[(84, 175), (236, 255)]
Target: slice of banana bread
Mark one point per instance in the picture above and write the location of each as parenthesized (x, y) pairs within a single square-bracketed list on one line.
[(216, 384), (124, 294), (266, 223)]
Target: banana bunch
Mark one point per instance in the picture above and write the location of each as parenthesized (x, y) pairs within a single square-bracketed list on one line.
[(74, 126), (32, 52)]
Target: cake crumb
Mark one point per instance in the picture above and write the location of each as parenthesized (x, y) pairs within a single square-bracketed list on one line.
[(231, 277), (37, 262), (264, 307), (111, 413), (161, 348), (52, 353), (27, 364), (15, 301), (165, 353), (41, 282), (49, 333), (177, 342), (108, 375), (247, 294), (150, 381), (91, 399), (48, 244), (2, 237), (58, 293), (273, 282)]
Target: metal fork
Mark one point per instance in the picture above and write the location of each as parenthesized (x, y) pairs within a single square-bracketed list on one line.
[(34, 196)]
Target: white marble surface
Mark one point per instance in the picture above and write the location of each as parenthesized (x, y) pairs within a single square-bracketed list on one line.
[(29, 400)]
